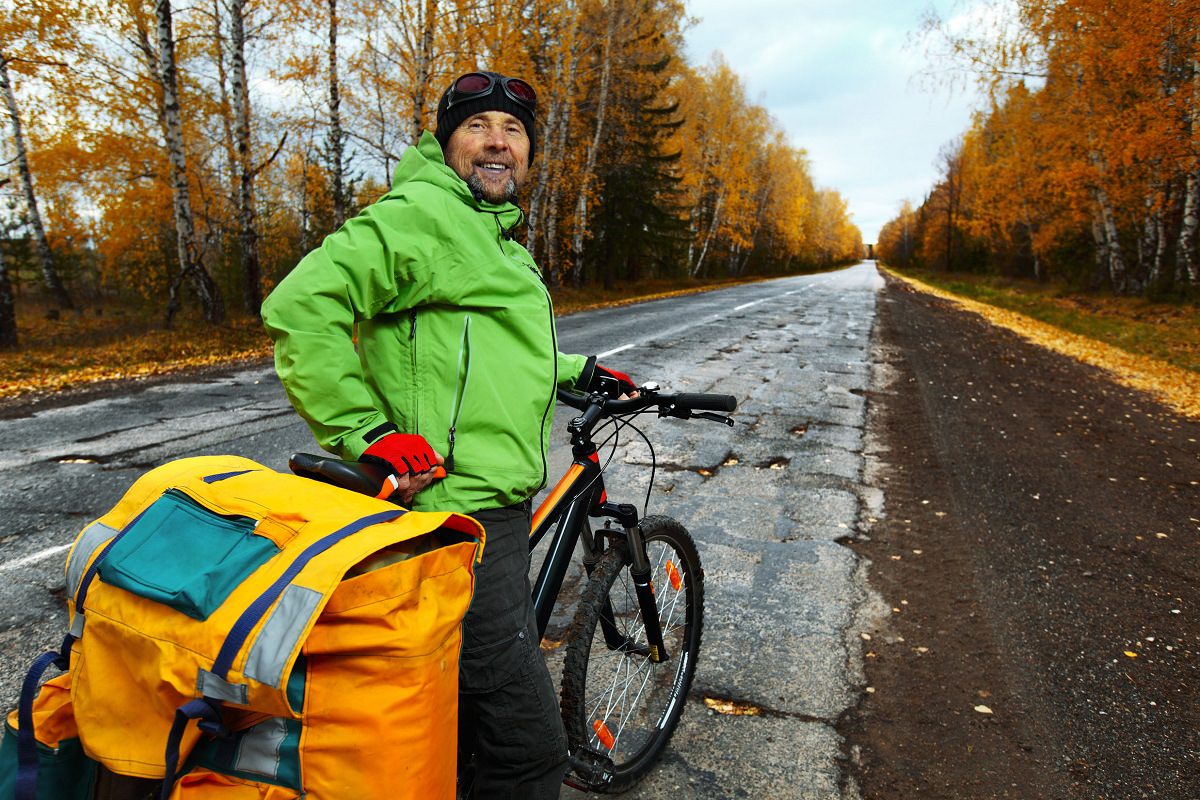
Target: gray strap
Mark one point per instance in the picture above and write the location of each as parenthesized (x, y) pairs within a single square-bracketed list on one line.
[(88, 541), (214, 687), (280, 634)]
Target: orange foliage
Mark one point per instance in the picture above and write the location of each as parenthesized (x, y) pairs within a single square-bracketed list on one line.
[(1086, 165), (715, 186)]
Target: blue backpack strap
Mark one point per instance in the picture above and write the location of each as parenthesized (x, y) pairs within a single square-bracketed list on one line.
[(208, 712), (27, 757), (255, 611), (207, 709)]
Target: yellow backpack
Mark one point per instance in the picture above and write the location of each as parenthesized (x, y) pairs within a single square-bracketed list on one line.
[(241, 633)]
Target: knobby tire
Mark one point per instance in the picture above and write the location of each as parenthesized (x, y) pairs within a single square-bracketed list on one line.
[(637, 703)]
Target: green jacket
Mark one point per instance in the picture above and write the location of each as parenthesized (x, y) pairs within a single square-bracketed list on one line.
[(455, 336)]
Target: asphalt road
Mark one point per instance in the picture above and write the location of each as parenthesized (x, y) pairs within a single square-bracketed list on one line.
[(767, 500)]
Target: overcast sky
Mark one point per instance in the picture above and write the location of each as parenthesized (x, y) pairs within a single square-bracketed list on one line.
[(840, 78)]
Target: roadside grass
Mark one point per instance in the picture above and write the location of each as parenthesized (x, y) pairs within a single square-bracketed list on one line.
[(1152, 347), (1167, 332), (105, 342)]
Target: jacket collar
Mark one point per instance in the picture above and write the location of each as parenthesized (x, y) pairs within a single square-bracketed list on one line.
[(426, 163)]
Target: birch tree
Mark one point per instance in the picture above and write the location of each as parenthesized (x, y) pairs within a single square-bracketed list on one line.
[(190, 265), (34, 34), (8, 316)]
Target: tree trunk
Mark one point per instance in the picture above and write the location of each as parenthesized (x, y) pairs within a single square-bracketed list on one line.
[(708, 236), (560, 146), (424, 69), (1114, 260), (589, 166), (1187, 260), (247, 219), (8, 316), (223, 88), (1186, 257), (49, 273), (185, 229), (1158, 277), (563, 40), (337, 137)]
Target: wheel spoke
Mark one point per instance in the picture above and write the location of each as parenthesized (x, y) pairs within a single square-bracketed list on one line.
[(618, 695)]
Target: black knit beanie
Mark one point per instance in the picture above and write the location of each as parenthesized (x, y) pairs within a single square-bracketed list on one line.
[(448, 119)]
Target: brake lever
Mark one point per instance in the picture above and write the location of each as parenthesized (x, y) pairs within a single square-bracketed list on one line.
[(687, 413), (714, 417)]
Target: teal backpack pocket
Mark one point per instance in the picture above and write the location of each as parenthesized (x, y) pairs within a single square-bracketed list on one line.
[(185, 556), (64, 772)]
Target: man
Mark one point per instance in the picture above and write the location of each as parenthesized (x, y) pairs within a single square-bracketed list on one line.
[(456, 364)]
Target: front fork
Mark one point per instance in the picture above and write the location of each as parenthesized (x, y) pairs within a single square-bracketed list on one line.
[(626, 516)]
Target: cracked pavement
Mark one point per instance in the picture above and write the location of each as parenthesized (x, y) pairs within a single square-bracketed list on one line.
[(768, 502)]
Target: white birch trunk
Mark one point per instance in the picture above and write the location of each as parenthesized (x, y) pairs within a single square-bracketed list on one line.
[(1186, 257), (423, 68), (337, 137), (708, 236), (42, 244), (589, 166), (1114, 259), (189, 260), (8, 317), (553, 143), (247, 220)]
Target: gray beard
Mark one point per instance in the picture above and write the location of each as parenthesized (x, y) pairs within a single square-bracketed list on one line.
[(508, 193)]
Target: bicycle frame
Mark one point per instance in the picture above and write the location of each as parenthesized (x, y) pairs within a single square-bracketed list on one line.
[(578, 495)]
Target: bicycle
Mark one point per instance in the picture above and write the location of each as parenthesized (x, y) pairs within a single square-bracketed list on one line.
[(631, 648)]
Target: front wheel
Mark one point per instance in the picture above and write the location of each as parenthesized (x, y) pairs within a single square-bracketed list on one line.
[(617, 703)]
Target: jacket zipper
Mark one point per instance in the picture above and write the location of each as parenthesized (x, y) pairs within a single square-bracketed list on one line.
[(554, 384), (463, 377), (416, 394), (553, 352)]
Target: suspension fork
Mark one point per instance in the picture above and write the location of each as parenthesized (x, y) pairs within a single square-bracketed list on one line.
[(639, 570)]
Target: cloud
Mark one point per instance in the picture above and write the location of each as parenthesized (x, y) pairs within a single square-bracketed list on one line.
[(841, 80)]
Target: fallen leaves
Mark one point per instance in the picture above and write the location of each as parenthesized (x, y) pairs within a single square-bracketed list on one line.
[(1174, 386), (81, 349), (734, 708)]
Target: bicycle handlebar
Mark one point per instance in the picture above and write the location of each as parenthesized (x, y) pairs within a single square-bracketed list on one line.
[(668, 404)]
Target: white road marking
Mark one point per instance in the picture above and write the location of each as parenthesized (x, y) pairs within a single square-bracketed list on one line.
[(704, 320), (615, 350), (36, 557)]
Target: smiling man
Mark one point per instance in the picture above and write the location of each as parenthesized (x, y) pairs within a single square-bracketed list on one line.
[(455, 364)]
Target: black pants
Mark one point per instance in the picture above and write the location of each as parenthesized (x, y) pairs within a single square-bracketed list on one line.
[(508, 715)]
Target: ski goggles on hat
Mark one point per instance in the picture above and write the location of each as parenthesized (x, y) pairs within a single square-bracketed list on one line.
[(481, 84)]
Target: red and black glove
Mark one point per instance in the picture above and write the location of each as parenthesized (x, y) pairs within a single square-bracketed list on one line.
[(610, 383), (402, 452)]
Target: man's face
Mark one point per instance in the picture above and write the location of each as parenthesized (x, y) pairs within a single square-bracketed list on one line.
[(490, 151)]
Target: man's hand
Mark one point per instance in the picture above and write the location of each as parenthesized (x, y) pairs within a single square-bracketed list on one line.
[(612, 383), (410, 458)]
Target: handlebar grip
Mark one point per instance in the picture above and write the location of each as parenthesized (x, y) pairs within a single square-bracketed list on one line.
[(706, 402)]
